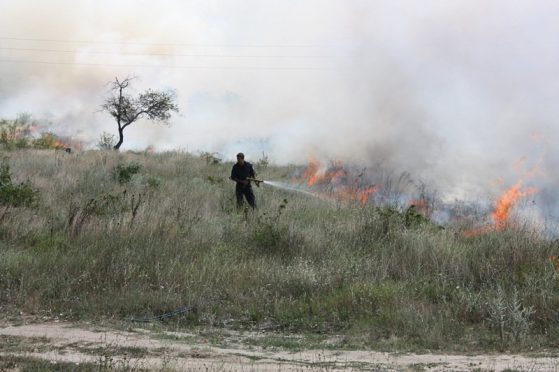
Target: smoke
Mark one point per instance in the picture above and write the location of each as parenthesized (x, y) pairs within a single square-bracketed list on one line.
[(452, 91)]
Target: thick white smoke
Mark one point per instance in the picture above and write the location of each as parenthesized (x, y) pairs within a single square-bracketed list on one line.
[(452, 91)]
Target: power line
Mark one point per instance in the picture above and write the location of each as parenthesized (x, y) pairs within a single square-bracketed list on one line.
[(159, 54), (169, 66), (167, 44)]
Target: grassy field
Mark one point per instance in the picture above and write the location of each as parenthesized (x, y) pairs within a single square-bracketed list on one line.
[(113, 235)]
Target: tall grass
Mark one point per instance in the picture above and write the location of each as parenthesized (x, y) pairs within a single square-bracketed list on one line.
[(99, 244)]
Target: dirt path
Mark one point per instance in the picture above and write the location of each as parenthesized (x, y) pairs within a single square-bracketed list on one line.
[(64, 342)]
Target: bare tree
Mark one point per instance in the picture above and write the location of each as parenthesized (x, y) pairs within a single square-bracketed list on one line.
[(125, 109)]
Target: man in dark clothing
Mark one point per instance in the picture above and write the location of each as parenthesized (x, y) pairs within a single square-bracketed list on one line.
[(240, 172)]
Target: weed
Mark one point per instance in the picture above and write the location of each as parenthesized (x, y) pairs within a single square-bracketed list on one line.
[(263, 163), (508, 316), (123, 173), (107, 141), (210, 158), (269, 234), (15, 195), (153, 182)]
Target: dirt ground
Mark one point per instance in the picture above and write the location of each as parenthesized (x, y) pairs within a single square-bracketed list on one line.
[(141, 348)]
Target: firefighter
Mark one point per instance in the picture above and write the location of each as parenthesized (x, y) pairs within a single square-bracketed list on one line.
[(241, 171)]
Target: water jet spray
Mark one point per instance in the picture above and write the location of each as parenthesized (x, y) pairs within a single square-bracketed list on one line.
[(287, 187)]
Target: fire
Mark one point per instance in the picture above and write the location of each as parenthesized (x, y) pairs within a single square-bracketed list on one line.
[(318, 173), (59, 145), (505, 204), (421, 206), (312, 173), (352, 193), (34, 135), (336, 182), (336, 175), (69, 145), (502, 210), (365, 195)]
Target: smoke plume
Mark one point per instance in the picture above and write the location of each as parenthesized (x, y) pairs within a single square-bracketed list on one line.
[(455, 92)]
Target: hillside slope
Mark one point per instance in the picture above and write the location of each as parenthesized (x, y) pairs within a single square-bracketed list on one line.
[(119, 235)]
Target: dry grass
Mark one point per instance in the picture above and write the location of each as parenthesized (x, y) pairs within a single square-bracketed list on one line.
[(170, 237)]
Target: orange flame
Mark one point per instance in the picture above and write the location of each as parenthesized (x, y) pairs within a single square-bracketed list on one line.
[(365, 195), (503, 208), (338, 181), (336, 175), (317, 173), (354, 194), (421, 206), (312, 172), (71, 145), (506, 202), (59, 145)]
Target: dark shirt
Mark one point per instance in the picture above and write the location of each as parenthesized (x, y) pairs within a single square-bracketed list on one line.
[(242, 172)]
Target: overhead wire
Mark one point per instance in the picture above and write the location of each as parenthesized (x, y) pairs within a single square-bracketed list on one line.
[(158, 54), (167, 66), (68, 41), (283, 57)]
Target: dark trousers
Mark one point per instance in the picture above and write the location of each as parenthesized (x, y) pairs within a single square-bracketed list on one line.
[(248, 194)]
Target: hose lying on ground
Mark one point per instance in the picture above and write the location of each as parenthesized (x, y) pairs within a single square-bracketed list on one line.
[(160, 317)]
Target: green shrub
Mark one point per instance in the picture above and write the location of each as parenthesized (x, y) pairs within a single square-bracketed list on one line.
[(16, 133), (153, 182), (124, 173), (268, 233), (122, 207), (12, 195), (507, 315)]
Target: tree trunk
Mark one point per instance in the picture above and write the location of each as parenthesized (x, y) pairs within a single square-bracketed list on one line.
[(121, 86), (120, 139)]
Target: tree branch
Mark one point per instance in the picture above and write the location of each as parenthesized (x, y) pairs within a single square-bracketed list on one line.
[(156, 105)]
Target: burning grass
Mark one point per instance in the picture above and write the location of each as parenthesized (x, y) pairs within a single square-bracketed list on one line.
[(336, 182), (24, 133), (94, 247), (502, 210)]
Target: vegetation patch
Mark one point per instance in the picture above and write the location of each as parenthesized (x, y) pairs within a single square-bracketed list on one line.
[(89, 238)]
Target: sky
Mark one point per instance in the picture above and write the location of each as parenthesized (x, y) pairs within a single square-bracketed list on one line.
[(459, 93)]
